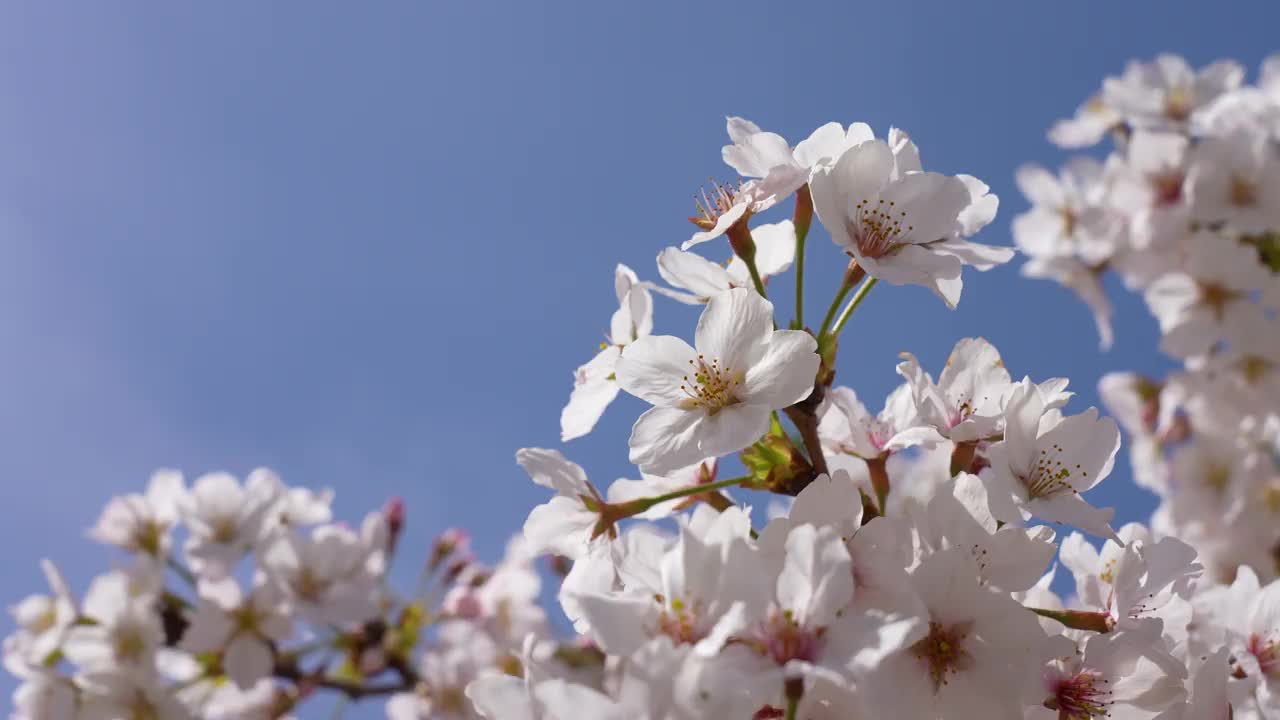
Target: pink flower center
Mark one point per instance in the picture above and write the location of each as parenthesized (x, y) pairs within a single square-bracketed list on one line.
[(879, 434), (960, 410), (1167, 187), (783, 639), (679, 621), (878, 228), (1081, 696), (1267, 651), (943, 651)]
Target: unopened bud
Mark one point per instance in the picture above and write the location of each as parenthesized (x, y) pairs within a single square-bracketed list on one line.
[(741, 241), (444, 546), (853, 274), (393, 515)]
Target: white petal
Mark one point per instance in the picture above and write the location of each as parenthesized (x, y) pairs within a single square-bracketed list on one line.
[(560, 526), (651, 368), (1040, 186), (829, 500), (1071, 509), (919, 265), (775, 251), (859, 174), (692, 272), (550, 469), (592, 392), (932, 203), (496, 697), (731, 430), (817, 578), (617, 621), (740, 128), (1089, 443), (825, 143), (1022, 426), (785, 373), (664, 439), (982, 257), (247, 660), (733, 328), (757, 154)]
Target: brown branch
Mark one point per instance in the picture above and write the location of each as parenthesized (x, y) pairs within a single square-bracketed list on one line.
[(287, 669), (804, 415)]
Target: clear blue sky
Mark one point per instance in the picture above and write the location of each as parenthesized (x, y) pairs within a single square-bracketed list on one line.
[(368, 247)]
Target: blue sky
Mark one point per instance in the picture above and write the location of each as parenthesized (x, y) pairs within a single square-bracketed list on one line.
[(368, 248)]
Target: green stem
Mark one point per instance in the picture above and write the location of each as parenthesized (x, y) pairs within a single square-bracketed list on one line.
[(793, 704), (858, 297), (835, 306), (755, 276), (646, 503)]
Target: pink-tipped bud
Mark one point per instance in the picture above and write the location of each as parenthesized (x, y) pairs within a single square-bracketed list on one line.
[(393, 511), (393, 516), (445, 545)]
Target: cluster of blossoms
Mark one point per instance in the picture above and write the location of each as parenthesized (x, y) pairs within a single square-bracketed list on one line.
[(245, 600), (905, 567), (1186, 210)]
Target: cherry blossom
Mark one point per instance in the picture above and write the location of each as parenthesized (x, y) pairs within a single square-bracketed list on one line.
[(906, 566), (715, 399), (1044, 463)]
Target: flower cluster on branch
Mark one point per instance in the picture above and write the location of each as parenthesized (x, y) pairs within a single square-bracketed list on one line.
[(906, 566)]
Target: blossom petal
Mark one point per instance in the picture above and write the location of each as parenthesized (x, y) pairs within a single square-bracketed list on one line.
[(785, 373), (775, 251), (825, 143), (932, 203), (692, 272), (1022, 426), (592, 393), (1071, 509), (859, 174), (550, 469), (664, 439), (733, 328), (651, 368), (559, 526), (247, 660), (1040, 186)]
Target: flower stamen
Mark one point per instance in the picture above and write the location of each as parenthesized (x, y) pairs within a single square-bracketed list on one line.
[(878, 229), (943, 651), (709, 386), (1081, 696), (712, 205), (1051, 476)]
